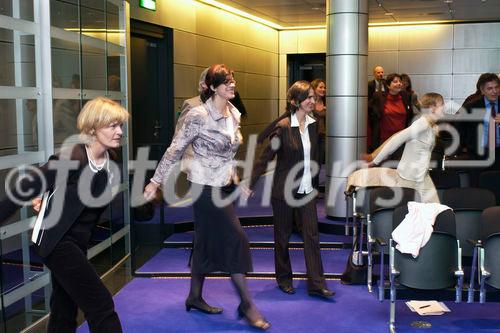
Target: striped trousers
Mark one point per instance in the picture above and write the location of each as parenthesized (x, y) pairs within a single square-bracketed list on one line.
[(307, 222)]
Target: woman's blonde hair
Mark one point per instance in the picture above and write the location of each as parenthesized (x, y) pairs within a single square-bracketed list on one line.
[(98, 113), (430, 99)]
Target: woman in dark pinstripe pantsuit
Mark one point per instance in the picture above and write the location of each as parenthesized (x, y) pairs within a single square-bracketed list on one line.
[(294, 140)]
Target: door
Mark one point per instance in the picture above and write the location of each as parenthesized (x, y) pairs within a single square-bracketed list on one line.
[(152, 89)]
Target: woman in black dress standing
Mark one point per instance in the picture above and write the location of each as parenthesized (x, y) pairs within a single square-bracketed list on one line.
[(220, 244), (66, 229)]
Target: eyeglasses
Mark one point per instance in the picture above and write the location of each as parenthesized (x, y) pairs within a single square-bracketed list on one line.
[(229, 81)]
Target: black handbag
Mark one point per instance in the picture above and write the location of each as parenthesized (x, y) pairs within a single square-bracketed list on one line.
[(354, 273)]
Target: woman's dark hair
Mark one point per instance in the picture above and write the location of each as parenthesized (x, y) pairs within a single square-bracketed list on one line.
[(391, 78), (406, 77), (217, 74), (314, 84), (297, 93), (485, 78)]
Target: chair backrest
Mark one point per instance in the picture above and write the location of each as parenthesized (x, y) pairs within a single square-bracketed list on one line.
[(363, 199), (490, 222), (382, 207), (381, 223), (468, 198), (390, 197), (468, 222), (492, 259), (491, 180), (444, 179), (468, 204), (490, 236), (445, 221), (437, 261)]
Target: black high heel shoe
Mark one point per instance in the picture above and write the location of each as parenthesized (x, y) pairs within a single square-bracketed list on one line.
[(202, 306), (260, 323)]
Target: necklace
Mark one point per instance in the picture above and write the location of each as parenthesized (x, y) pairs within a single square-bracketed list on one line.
[(92, 164)]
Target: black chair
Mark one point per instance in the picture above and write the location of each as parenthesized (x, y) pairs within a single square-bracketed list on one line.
[(383, 201), (487, 249), (357, 199), (443, 180), (468, 204), (491, 180), (438, 265)]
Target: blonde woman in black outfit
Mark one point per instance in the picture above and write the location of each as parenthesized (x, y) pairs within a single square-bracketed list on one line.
[(64, 241)]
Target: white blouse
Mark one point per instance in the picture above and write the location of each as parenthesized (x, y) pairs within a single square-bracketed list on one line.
[(306, 181), (420, 138)]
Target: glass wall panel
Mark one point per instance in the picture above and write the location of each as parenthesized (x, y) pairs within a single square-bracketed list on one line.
[(115, 53), (64, 116), (24, 10), (19, 129), (88, 59), (93, 39), (65, 64), (18, 57), (64, 14)]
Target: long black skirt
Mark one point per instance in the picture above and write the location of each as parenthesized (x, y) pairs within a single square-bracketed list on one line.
[(220, 244)]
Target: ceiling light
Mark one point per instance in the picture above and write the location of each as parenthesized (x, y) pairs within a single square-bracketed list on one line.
[(388, 14), (241, 13), (448, 1)]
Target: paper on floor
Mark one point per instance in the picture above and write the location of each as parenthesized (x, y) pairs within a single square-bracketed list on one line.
[(428, 308)]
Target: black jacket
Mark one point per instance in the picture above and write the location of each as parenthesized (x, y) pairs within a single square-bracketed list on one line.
[(468, 130), (372, 86), (66, 194), (289, 152)]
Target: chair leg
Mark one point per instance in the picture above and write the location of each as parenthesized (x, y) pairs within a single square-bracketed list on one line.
[(484, 275), (355, 220), (381, 278), (346, 226), (470, 292), (393, 273), (392, 315), (360, 262), (482, 290), (458, 291), (369, 277)]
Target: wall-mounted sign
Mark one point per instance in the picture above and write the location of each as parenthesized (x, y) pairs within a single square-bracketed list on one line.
[(148, 4)]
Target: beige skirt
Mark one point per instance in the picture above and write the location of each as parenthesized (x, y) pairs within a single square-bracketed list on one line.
[(390, 177)]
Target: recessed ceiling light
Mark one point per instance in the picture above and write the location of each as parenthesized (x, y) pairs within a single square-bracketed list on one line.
[(448, 1), (388, 14)]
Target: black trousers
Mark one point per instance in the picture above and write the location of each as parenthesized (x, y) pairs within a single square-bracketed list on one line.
[(307, 218), (75, 284)]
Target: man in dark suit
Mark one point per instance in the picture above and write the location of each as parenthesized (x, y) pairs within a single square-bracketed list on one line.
[(378, 82), (486, 105)]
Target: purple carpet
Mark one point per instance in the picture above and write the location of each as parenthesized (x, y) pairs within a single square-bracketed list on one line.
[(176, 260), (262, 234), (149, 305)]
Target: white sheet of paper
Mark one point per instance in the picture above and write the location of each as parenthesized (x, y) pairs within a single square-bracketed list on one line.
[(39, 219)]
